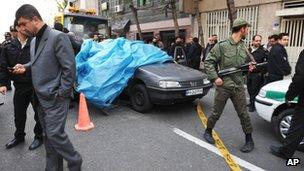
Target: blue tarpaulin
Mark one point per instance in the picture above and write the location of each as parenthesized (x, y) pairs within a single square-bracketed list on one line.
[(103, 69)]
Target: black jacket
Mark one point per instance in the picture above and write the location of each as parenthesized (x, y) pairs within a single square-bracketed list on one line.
[(260, 55), (296, 87), (11, 55), (180, 50), (278, 61), (194, 52)]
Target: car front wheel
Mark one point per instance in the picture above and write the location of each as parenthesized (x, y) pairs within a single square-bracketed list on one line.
[(282, 123), (140, 100)]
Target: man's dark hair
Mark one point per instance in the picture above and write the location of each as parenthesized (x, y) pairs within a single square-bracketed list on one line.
[(275, 37), (27, 11), (281, 35), (58, 26), (195, 39), (213, 35), (253, 38), (237, 29)]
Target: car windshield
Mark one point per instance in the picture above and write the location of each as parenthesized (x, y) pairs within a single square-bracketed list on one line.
[(83, 26)]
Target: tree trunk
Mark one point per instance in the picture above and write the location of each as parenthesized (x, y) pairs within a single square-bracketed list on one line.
[(174, 16), (199, 23), (232, 13), (134, 11)]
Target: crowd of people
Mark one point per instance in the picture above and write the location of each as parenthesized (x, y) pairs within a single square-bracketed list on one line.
[(31, 45), (233, 52)]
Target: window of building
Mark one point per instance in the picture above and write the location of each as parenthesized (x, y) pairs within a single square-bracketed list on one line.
[(217, 22), (141, 3)]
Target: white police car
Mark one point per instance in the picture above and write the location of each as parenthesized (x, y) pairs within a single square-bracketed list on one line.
[(270, 105)]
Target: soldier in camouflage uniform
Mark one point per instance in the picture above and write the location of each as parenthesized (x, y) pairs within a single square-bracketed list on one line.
[(226, 54)]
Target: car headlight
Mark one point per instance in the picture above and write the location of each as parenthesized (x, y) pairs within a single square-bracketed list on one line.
[(169, 84), (206, 81), (262, 93)]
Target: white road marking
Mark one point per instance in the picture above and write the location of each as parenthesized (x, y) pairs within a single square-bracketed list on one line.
[(213, 149)]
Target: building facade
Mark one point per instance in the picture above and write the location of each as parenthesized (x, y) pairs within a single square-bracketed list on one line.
[(152, 19), (267, 17), (87, 4)]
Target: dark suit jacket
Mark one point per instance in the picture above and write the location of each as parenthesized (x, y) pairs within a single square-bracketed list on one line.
[(278, 61), (296, 88), (53, 67)]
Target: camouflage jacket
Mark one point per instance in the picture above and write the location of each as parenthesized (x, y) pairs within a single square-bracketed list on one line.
[(226, 54)]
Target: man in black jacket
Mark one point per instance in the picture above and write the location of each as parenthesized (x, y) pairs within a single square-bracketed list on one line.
[(255, 79), (296, 131), (194, 54), (18, 51), (278, 65)]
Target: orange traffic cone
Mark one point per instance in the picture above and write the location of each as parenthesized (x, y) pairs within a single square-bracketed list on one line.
[(84, 123)]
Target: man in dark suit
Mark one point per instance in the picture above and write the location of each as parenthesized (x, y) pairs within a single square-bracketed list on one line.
[(278, 65), (194, 54), (18, 51), (296, 131), (255, 79), (53, 73)]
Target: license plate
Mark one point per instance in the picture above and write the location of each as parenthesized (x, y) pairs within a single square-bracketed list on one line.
[(194, 92)]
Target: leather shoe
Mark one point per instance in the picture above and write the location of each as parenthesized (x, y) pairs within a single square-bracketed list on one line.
[(277, 152), (13, 143), (248, 147), (35, 144), (208, 137)]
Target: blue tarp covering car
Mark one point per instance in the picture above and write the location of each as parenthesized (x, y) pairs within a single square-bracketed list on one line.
[(104, 69)]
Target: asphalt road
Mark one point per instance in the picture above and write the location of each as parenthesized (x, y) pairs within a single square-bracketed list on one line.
[(128, 140)]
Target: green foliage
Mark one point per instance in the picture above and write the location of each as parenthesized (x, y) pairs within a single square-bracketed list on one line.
[(61, 5)]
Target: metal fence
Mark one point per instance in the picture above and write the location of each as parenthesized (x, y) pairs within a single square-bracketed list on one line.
[(217, 22)]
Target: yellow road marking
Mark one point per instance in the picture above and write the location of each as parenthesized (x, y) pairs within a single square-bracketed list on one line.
[(219, 143)]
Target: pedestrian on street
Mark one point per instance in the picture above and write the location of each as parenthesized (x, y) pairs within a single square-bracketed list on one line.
[(278, 65), (50, 49), (194, 54), (226, 54), (272, 40), (255, 79), (156, 41), (14, 52), (211, 42), (296, 130), (8, 38), (178, 51)]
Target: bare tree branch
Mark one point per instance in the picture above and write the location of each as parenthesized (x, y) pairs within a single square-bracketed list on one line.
[(232, 13)]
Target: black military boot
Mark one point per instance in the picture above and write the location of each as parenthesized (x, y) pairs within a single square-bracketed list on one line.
[(208, 136), (249, 145)]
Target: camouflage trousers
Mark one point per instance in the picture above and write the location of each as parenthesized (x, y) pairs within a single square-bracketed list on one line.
[(238, 98)]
